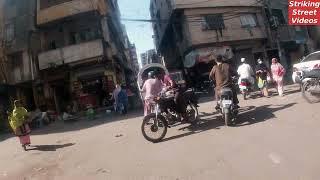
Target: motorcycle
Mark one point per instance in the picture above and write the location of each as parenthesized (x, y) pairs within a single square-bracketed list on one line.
[(245, 87), (164, 115), (227, 107), (311, 86)]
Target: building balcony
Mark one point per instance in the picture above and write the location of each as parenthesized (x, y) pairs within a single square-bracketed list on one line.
[(68, 8), (286, 33), (71, 54)]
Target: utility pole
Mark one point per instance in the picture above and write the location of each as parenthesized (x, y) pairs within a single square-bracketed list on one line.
[(275, 25)]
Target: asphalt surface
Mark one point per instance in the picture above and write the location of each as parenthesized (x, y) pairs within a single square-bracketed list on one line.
[(276, 138)]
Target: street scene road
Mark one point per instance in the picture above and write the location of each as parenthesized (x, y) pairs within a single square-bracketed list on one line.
[(275, 138)]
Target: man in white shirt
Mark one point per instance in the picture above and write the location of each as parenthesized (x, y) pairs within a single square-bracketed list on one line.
[(245, 71)]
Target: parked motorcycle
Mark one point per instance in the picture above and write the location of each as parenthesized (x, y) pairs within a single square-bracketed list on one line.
[(227, 107), (245, 87), (164, 115), (311, 86)]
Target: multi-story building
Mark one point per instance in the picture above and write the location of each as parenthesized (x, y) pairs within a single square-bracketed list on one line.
[(18, 48), (84, 50), (287, 42), (153, 57), (149, 57), (144, 59), (188, 31), (134, 57)]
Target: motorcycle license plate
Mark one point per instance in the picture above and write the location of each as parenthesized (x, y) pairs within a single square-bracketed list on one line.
[(226, 103)]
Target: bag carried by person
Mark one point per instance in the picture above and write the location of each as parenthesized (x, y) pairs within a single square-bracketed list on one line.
[(261, 83), (17, 117)]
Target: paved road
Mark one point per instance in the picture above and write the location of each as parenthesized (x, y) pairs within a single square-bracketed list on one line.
[(278, 138)]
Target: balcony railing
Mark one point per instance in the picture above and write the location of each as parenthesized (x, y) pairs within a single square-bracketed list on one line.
[(68, 9), (71, 54)]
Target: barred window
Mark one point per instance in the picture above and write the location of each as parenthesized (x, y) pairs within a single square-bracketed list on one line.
[(214, 22)]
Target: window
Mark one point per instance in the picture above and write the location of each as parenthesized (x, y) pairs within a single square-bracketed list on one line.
[(9, 32), (214, 22), (279, 16), (248, 20)]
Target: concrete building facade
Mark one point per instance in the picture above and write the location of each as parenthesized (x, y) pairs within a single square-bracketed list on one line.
[(18, 48), (134, 57), (84, 51), (57, 53), (188, 32)]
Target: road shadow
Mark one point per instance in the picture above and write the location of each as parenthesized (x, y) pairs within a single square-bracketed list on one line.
[(49, 147), (259, 114), (207, 122), (5, 136), (247, 116), (60, 127)]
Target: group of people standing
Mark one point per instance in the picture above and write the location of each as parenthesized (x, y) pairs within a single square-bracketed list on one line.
[(264, 75)]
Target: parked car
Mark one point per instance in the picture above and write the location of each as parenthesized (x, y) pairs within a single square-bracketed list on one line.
[(310, 62)]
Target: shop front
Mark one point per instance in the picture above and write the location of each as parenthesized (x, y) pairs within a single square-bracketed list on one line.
[(93, 87)]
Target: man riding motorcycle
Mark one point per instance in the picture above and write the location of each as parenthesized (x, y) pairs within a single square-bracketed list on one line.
[(179, 99), (222, 74), (245, 72)]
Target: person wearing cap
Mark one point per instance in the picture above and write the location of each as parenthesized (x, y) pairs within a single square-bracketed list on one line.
[(245, 72), (262, 73)]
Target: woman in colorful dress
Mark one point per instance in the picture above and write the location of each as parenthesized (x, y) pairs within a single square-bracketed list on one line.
[(278, 73), (18, 120)]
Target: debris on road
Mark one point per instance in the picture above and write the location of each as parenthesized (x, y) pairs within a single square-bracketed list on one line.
[(119, 135)]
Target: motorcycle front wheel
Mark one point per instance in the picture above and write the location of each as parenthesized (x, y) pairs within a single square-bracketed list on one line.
[(153, 128)]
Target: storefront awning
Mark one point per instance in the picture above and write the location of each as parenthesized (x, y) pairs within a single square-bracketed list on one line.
[(206, 55)]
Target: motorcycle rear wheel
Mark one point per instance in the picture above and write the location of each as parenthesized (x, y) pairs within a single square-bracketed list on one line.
[(155, 125), (227, 118), (309, 96), (193, 113)]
